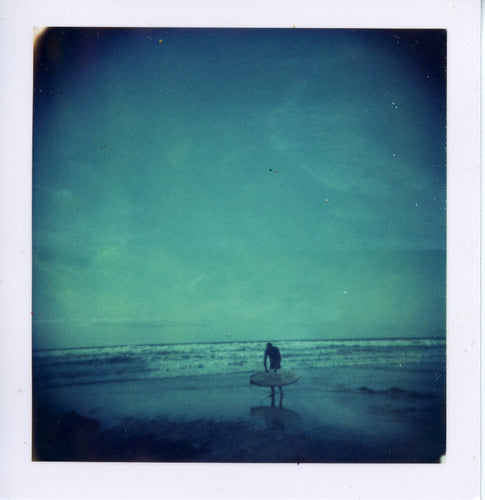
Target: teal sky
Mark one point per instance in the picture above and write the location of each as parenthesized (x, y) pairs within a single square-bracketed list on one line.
[(215, 185)]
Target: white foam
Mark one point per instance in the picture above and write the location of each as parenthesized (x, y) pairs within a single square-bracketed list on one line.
[(109, 364)]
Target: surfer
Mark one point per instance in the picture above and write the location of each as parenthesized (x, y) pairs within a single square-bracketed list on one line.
[(274, 363), (274, 357)]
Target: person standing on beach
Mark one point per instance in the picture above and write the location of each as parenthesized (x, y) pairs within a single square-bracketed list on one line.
[(274, 357)]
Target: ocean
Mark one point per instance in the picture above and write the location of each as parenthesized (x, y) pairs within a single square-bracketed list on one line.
[(96, 365), (380, 400)]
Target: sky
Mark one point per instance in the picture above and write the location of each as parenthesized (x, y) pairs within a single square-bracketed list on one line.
[(211, 185)]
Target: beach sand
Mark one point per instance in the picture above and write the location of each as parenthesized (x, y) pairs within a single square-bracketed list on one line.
[(329, 416)]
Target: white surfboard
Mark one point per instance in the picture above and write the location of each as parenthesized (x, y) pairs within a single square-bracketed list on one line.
[(271, 378)]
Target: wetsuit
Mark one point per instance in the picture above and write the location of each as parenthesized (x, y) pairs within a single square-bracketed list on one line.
[(274, 357)]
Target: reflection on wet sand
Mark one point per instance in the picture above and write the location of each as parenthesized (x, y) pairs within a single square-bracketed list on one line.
[(275, 416)]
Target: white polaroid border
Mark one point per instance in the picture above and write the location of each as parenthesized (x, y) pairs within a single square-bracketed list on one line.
[(459, 476)]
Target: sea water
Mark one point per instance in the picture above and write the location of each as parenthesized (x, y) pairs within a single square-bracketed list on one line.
[(357, 400), (68, 367)]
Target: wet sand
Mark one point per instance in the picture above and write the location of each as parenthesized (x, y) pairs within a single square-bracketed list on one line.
[(225, 419)]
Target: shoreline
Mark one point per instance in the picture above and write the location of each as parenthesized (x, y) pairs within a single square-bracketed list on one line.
[(226, 419)]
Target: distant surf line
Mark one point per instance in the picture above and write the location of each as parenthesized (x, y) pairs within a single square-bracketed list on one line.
[(233, 341)]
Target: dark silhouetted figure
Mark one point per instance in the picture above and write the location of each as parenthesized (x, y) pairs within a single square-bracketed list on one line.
[(274, 357), (273, 353)]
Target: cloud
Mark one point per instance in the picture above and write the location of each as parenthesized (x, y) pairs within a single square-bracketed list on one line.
[(145, 323), (62, 251), (178, 225)]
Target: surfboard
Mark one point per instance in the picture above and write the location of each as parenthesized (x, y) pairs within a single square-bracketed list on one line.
[(271, 378)]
